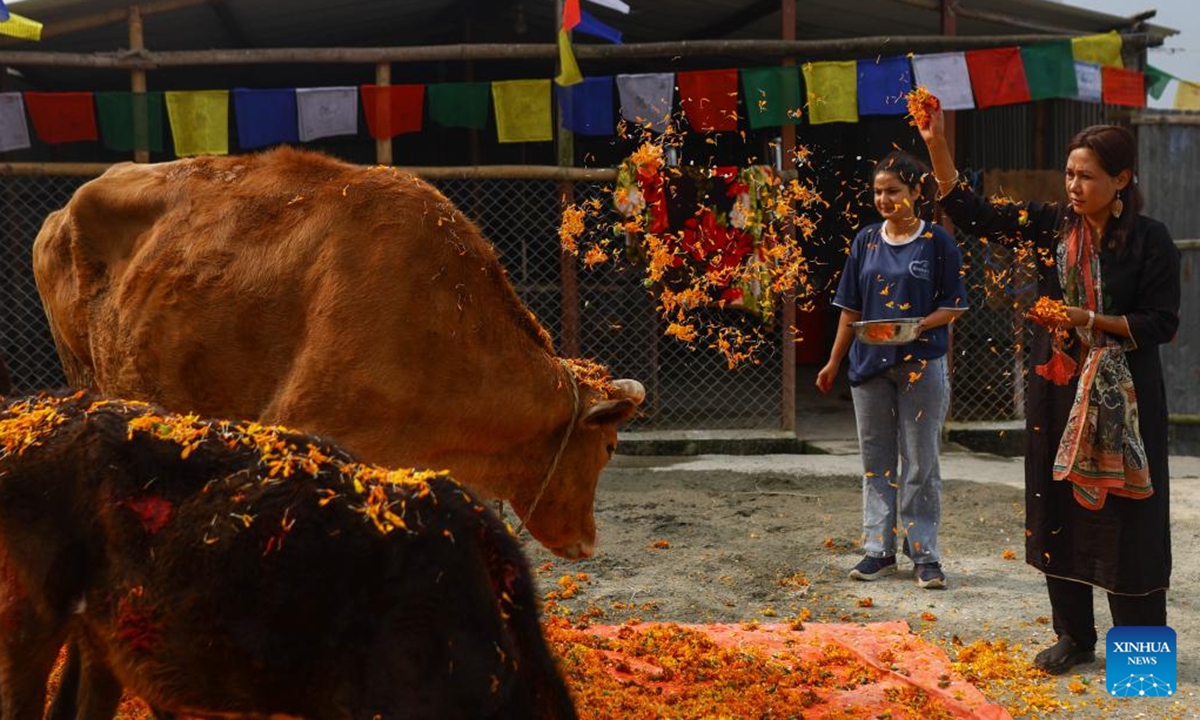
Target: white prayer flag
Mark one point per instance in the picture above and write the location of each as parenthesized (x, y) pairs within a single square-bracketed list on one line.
[(621, 7), (945, 75), (14, 132), (1089, 78), (646, 99), (327, 111)]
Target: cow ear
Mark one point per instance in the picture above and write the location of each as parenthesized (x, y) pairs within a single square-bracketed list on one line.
[(608, 412)]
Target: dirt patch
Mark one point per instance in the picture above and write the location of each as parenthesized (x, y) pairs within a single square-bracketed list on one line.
[(719, 546)]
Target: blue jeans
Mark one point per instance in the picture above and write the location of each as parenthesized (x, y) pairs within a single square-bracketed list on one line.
[(900, 436)]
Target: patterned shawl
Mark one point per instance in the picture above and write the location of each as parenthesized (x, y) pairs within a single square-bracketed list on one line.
[(1101, 450)]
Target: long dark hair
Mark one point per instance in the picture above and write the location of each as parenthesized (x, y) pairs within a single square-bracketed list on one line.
[(913, 174), (1116, 148)]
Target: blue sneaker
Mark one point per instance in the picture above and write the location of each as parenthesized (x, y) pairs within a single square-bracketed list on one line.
[(930, 576), (873, 568)]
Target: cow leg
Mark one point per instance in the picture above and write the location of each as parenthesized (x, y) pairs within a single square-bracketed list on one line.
[(27, 657), (99, 689)]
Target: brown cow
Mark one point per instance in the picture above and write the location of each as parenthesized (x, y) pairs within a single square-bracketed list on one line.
[(354, 302), (229, 570)]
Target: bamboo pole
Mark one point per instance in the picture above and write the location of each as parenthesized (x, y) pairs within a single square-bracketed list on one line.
[(469, 172), (850, 47), (137, 83), (383, 146)]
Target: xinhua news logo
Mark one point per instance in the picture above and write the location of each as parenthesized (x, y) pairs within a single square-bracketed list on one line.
[(1140, 662)]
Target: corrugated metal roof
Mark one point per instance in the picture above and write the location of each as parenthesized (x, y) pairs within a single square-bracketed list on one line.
[(305, 23), (230, 24)]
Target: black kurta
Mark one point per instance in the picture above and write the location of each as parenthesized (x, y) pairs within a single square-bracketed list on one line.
[(1125, 547)]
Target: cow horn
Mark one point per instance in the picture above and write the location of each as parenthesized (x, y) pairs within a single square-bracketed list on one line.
[(631, 389)]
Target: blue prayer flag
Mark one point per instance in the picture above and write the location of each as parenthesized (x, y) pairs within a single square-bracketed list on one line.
[(587, 107), (265, 117), (589, 25), (883, 84), (3, 11)]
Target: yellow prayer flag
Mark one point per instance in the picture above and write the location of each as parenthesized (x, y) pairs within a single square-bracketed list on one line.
[(832, 91), (1102, 49), (199, 121), (1187, 96), (21, 27), (568, 69), (522, 110)]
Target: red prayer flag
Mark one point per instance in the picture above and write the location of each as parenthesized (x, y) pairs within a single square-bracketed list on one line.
[(1124, 87), (997, 76), (393, 109), (571, 14), (62, 117), (709, 99)]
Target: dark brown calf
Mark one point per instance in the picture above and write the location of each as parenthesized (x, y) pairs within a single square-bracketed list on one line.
[(216, 570)]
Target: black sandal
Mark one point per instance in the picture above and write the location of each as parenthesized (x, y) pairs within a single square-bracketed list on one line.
[(1062, 656)]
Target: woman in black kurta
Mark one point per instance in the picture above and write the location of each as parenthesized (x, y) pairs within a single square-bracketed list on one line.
[(1124, 546)]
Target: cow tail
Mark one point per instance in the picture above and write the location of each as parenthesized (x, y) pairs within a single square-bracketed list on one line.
[(536, 665)]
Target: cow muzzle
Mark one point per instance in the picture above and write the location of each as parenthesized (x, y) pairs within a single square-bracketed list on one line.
[(581, 550)]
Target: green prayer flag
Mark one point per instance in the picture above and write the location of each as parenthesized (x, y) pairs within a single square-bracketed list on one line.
[(1050, 70), (130, 121), (1157, 81), (459, 105), (772, 96)]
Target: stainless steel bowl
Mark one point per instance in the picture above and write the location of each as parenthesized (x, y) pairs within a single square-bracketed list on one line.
[(900, 331)]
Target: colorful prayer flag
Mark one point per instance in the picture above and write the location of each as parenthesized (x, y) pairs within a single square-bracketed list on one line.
[(1124, 87), (3, 11), (393, 109), (772, 96), (832, 91), (327, 111), (265, 117), (997, 76), (1187, 96), (589, 25), (647, 99), (199, 121), (587, 107), (62, 117), (1103, 49), (459, 104), (522, 110), (946, 76), (568, 69), (570, 15), (1050, 70), (14, 133), (709, 99), (1088, 81), (883, 85), (130, 121), (21, 27), (618, 5), (1157, 81)]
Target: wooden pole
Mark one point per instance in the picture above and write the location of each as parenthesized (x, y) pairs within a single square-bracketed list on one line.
[(787, 316), (137, 83), (763, 49), (383, 78), (569, 317)]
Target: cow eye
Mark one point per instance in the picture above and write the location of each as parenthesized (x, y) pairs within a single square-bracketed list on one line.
[(611, 449)]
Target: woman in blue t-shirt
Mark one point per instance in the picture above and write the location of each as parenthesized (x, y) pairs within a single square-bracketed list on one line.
[(903, 267)]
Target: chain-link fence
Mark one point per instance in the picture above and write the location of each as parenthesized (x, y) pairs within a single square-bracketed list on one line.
[(687, 387)]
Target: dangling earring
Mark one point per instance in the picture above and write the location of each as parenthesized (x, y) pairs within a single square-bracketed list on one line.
[(1118, 206)]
